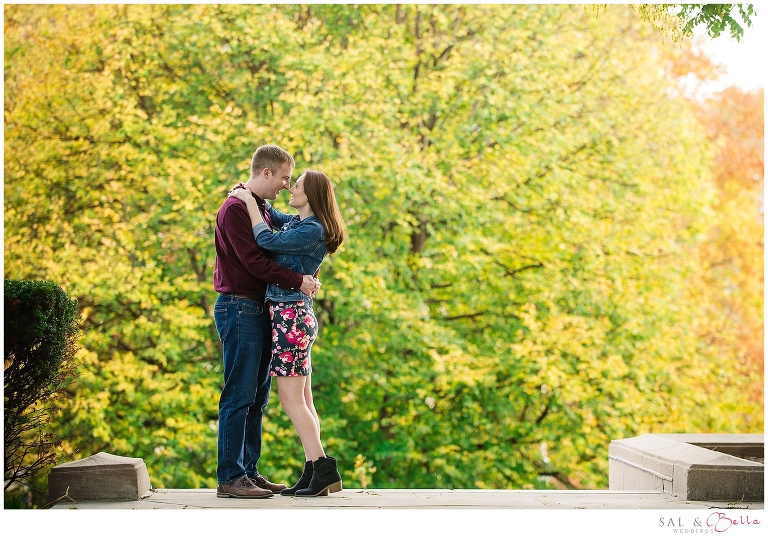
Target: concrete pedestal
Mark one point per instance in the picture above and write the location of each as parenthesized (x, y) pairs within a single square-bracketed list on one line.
[(714, 467), (100, 477)]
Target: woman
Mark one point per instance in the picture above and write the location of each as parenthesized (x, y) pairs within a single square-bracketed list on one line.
[(301, 244)]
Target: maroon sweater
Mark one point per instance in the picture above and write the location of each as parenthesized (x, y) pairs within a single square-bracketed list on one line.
[(242, 267)]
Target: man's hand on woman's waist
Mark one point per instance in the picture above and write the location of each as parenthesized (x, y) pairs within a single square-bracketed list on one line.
[(310, 285)]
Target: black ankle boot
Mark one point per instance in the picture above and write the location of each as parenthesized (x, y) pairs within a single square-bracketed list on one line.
[(325, 479), (303, 482)]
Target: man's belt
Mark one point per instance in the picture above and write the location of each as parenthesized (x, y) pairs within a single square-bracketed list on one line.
[(244, 296)]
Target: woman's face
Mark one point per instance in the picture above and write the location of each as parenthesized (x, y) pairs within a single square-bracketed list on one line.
[(298, 198)]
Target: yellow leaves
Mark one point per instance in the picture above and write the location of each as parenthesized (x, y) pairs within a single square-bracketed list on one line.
[(109, 242), (363, 468), (616, 365), (437, 358), (548, 276), (457, 366)]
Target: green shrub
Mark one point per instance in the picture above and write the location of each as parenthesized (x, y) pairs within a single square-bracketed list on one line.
[(41, 331)]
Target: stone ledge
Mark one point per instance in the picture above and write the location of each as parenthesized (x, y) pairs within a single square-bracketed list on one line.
[(684, 465), (100, 477), (415, 499)]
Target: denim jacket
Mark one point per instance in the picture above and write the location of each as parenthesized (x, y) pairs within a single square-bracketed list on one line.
[(298, 244)]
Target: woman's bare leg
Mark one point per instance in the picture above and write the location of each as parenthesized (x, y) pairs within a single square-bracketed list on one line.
[(291, 391), (310, 401)]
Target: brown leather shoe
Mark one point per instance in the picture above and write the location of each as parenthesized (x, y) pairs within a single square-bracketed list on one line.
[(262, 482), (242, 488)]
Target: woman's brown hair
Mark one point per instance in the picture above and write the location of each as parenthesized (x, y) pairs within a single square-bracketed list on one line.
[(321, 198)]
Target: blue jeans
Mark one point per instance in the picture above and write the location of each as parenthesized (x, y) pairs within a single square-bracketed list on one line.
[(245, 332)]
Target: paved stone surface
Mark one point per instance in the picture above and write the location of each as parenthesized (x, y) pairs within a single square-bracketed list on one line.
[(416, 499)]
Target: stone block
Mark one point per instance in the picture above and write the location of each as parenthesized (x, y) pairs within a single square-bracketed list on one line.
[(724, 483), (663, 466), (615, 475), (100, 477), (630, 478), (666, 486), (700, 467), (648, 442), (618, 449), (645, 481)]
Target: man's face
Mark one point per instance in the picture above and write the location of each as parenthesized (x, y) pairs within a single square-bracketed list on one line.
[(281, 180)]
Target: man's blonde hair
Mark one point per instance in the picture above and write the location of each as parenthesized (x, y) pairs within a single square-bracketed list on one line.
[(271, 157)]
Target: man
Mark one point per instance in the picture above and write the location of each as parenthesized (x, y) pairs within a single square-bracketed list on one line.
[(240, 276)]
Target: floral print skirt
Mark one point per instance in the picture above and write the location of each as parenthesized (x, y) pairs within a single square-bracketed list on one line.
[(294, 328)]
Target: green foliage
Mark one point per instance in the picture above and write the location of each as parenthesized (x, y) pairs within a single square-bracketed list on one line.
[(679, 20), (41, 330), (716, 18), (526, 200)]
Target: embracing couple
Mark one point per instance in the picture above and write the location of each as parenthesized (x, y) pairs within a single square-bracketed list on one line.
[(266, 268)]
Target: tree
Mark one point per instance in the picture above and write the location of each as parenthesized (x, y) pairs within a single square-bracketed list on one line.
[(732, 257), (41, 330), (734, 252), (526, 198), (679, 20)]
